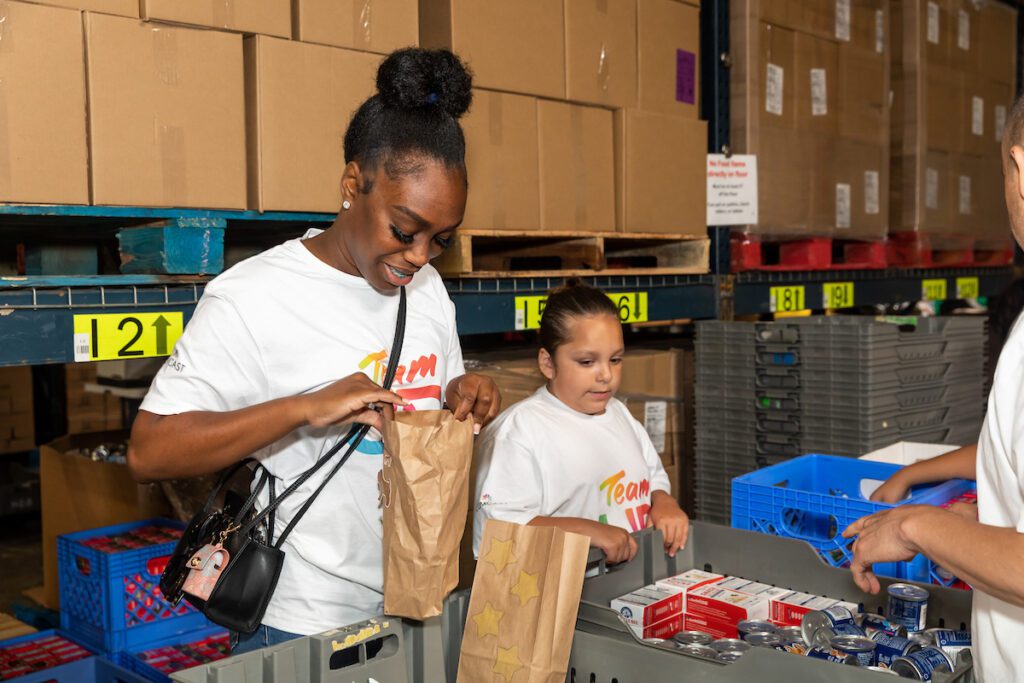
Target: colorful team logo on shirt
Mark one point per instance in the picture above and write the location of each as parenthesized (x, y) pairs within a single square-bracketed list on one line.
[(422, 369), (631, 498)]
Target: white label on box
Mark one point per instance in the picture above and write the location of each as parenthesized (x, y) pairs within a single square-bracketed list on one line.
[(963, 33), (1000, 115), (842, 205), (879, 31), (965, 195), (655, 417), (977, 116), (819, 93), (732, 189), (773, 89), (931, 188), (933, 23), (82, 348), (872, 192), (843, 20)]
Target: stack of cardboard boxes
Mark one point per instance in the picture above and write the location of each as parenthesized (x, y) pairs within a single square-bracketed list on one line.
[(88, 411), (954, 71), (17, 419), (586, 113), (810, 97)]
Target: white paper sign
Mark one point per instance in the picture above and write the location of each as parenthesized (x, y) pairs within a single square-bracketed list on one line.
[(933, 23), (843, 20), (879, 31), (843, 205), (655, 418), (872, 201), (965, 195), (773, 89), (1000, 121), (819, 93), (732, 189), (963, 33), (931, 188), (977, 116)]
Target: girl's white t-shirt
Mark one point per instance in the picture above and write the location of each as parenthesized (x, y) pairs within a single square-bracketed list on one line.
[(285, 323), (542, 458)]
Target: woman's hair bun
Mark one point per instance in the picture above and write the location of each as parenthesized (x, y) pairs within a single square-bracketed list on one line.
[(415, 78)]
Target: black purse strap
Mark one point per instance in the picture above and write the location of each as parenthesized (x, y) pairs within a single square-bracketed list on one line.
[(353, 439)]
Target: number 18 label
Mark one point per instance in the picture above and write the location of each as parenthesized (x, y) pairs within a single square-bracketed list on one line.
[(120, 336)]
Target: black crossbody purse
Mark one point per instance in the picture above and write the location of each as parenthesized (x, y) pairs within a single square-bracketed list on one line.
[(227, 563)]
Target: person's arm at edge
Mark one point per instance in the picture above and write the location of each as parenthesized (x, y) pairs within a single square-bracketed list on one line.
[(958, 464)]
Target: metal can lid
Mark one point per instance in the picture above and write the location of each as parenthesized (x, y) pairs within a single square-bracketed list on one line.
[(922, 638), (764, 639), (853, 644), (692, 638), (755, 626), (699, 650), (905, 591), (726, 644), (882, 670), (654, 641), (729, 656), (791, 634)]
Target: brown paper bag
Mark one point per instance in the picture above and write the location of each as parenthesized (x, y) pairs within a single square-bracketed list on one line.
[(425, 496), (522, 611)]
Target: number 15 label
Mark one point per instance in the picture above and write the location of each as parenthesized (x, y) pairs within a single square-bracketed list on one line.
[(120, 336)]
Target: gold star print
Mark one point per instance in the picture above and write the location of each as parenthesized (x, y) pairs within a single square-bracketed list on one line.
[(507, 663), (526, 587), (500, 554), (487, 621)]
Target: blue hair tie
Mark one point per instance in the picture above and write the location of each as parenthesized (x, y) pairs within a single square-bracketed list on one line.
[(432, 98)]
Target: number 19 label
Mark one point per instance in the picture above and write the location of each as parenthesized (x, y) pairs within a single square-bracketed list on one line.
[(121, 336)]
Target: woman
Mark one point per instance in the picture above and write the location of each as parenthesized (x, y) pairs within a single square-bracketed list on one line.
[(288, 348)]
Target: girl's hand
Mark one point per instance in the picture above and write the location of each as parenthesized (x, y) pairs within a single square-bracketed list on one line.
[(667, 517), (617, 544), (893, 491), (351, 399), (473, 394)]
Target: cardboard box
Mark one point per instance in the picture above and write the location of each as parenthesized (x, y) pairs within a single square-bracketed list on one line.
[(660, 173), (514, 386), (993, 224), (686, 582), (601, 52), (42, 132), (109, 496), (964, 34), (789, 609), (997, 42), (577, 167), (166, 115), (817, 84), (726, 605), (17, 432), (647, 606), (862, 190), (502, 161), (863, 95), (975, 112), (767, 88), (664, 629), (999, 97), (511, 46), (124, 8), (668, 61), (268, 17), (371, 25), (295, 150), (15, 390), (652, 372), (662, 420), (713, 627), (868, 27)]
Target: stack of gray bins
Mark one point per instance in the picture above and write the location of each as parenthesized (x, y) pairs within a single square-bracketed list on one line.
[(843, 385)]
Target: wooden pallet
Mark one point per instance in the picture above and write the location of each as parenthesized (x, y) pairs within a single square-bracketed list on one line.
[(495, 253)]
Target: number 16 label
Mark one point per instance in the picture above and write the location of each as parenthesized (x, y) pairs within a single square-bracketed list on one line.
[(120, 336)]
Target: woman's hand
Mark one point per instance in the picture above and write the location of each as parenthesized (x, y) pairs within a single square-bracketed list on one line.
[(616, 543), (667, 517), (893, 491), (473, 394), (355, 398)]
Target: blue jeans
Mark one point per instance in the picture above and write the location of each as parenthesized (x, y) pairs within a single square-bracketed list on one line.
[(264, 636)]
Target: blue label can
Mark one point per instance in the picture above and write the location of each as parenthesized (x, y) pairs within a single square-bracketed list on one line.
[(923, 664), (834, 656), (908, 606), (875, 622), (889, 648), (952, 642), (860, 647)]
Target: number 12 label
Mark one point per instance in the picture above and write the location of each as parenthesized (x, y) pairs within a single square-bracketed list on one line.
[(120, 336)]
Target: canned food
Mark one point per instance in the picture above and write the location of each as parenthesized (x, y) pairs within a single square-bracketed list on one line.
[(923, 664), (729, 656), (951, 642), (692, 638), (922, 638), (882, 670), (908, 606), (834, 656), (872, 623), (791, 635), (769, 640), (654, 641), (828, 618), (698, 650), (726, 644), (890, 648), (860, 647), (748, 626)]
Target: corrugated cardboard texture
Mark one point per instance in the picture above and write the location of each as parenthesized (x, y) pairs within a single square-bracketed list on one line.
[(372, 25), (124, 8), (863, 95), (668, 61), (601, 52), (166, 115), (44, 156), (997, 42), (660, 173), (513, 46), (668, 434), (817, 84), (654, 372), (964, 34), (502, 162), (863, 168), (577, 167), (299, 100), (267, 17)]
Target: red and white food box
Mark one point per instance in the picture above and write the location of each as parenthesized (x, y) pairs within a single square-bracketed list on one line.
[(664, 629), (686, 582), (747, 586), (726, 605), (789, 609), (647, 606), (713, 627)]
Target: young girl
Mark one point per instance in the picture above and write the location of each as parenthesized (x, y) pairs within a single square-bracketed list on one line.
[(571, 455)]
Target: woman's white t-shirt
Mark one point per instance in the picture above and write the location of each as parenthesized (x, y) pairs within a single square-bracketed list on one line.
[(285, 323), (998, 626), (542, 458)]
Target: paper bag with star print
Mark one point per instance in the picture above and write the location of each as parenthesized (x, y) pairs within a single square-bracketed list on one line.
[(424, 492), (522, 610)]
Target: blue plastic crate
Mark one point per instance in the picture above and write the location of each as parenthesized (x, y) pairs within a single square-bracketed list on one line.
[(112, 601), (91, 669), (135, 662), (815, 497)]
